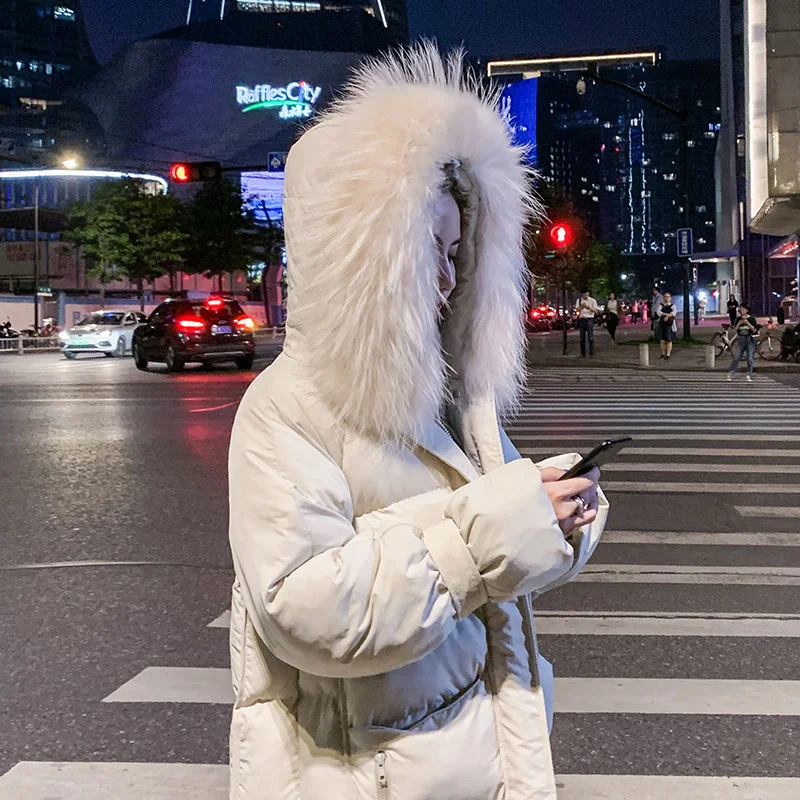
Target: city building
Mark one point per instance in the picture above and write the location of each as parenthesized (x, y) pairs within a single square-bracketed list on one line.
[(759, 200), (43, 47), (366, 26)]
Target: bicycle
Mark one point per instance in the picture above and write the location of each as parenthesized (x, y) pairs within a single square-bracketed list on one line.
[(768, 347)]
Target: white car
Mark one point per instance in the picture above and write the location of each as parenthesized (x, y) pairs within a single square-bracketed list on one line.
[(109, 332)]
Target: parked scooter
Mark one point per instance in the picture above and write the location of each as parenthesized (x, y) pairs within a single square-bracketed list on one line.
[(790, 343)]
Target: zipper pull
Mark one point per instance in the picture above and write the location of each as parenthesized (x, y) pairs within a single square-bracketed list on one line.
[(380, 765)]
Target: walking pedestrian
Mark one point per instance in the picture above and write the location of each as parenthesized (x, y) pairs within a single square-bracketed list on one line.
[(612, 316), (702, 306), (655, 304), (746, 328), (666, 327), (732, 312), (644, 309), (386, 535), (586, 308), (635, 314)]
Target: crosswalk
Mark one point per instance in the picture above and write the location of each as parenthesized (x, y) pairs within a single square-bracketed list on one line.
[(675, 650)]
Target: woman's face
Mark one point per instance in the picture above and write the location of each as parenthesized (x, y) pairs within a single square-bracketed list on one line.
[(667, 299), (612, 296), (447, 233)]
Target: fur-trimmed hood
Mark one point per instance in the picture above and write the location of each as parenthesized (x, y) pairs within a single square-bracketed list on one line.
[(362, 262)]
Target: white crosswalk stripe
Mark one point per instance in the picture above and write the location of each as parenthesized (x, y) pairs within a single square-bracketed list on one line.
[(727, 443)]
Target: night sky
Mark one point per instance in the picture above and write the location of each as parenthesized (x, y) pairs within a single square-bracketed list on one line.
[(680, 28)]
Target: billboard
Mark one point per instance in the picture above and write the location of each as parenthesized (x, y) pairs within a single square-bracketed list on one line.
[(262, 193), (518, 107)]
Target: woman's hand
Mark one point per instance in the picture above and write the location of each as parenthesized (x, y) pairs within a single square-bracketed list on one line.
[(570, 512)]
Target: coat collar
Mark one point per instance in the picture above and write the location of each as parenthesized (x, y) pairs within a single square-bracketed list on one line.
[(436, 440)]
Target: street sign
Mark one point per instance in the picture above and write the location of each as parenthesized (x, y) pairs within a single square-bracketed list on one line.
[(276, 162), (685, 242)]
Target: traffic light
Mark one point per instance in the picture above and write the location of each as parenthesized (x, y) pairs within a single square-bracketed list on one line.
[(194, 171), (560, 236)]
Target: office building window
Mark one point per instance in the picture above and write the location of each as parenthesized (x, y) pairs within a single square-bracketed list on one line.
[(63, 14)]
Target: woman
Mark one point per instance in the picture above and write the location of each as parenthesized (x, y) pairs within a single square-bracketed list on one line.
[(387, 537), (612, 316), (746, 329), (666, 327)]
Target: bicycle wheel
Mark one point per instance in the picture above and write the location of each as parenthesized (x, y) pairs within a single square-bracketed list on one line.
[(769, 348), (718, 342)]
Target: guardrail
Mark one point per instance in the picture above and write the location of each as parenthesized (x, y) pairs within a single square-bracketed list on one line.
[(279, 330), (27, 344)]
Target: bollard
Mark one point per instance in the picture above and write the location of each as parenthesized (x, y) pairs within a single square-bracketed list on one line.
[(20, 351), (711, 357), (644, 355)]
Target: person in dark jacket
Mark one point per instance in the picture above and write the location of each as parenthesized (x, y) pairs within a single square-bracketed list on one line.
[(746, 329), (732, 306)]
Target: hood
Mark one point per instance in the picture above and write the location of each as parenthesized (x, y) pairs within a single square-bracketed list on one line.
[(360, 186)]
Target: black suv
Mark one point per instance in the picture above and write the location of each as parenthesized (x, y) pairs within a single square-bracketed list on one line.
[(190, 330)]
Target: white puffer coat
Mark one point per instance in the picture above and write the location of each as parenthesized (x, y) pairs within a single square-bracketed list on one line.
[(382, 635)]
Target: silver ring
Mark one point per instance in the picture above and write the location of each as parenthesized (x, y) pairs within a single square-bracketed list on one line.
[(581, 506)]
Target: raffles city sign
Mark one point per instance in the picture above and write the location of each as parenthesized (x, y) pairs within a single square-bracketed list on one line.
[(294, 101)]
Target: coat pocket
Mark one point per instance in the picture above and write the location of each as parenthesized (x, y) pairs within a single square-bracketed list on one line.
[(451, 753)]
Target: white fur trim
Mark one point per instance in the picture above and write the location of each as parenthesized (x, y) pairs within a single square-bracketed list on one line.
[(360, 186)]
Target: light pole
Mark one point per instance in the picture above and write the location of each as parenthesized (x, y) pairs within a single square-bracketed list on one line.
[(36, 257)]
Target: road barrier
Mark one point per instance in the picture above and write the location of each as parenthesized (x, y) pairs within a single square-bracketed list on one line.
[(711, 357), (27, 344), (644, 355)]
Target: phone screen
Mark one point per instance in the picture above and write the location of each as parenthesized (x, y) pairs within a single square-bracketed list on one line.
[(600, 455)]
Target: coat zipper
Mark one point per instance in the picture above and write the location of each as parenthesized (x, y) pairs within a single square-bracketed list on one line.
[(380, 775)]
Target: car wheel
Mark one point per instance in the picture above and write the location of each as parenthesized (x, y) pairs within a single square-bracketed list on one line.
[(207, 366), (138, 358), (120, 350), (245, 362), (70, 356), (174, 364)]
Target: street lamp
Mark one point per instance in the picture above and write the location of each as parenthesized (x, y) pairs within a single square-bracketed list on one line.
[(70, 162)]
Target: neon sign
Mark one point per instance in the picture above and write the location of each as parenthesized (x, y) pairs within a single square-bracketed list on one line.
[(295, 100)]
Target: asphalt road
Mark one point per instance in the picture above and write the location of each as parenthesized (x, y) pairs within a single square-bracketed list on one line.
[(115, 560)]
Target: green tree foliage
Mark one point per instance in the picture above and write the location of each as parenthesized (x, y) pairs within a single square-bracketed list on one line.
[(128, 233), (223, 234)]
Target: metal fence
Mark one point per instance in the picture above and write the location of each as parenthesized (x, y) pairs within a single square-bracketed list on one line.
[(29, 344)]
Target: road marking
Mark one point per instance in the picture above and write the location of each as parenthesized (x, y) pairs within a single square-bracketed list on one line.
[(694, 488), (52, 780), (673, 537), (222, 621), (768, 511), (677, 696), (670, 573), (176, 685), (703, 466), (213, 408), (643, 437), (47, 780), (732, 452), (626, 624), (669, 787)]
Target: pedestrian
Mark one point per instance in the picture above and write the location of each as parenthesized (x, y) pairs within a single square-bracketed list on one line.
[(612, 316), (666, 328), (386, 535), (586, 308), (655, 304), (746, 328), (635, 311), (702, 307), (732, 312), (644, 309)]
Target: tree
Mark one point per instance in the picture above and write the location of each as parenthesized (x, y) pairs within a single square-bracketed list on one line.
[(223, 235), (128, 233)]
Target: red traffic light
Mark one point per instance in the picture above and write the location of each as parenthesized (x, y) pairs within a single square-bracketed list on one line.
[(180, 173), (193, 171), (560, 236)]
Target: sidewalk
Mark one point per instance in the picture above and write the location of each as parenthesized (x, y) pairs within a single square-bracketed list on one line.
[(545, 349)]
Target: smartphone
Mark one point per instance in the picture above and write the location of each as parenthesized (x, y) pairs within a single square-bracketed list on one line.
[(601, 454)]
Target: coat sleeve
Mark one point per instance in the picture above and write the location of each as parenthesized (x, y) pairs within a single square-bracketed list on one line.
[(339, 596), (584, 540)]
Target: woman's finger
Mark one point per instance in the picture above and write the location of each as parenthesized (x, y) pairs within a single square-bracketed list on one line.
[(550, 474)]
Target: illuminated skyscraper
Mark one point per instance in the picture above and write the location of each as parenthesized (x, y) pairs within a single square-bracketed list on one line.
[(391, 15)]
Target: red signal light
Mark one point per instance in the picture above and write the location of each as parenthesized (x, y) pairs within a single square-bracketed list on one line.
[(560, 236), (180, 173), (191, 324)]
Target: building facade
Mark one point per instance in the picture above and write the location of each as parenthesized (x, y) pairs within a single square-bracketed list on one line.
[(618, 156)]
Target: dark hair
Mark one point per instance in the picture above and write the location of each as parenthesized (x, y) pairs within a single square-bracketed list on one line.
[(585, 290), (745, 305)]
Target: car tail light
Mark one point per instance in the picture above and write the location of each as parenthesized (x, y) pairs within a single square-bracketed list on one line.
[(190, 324), (246, 323), (213, 303)]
